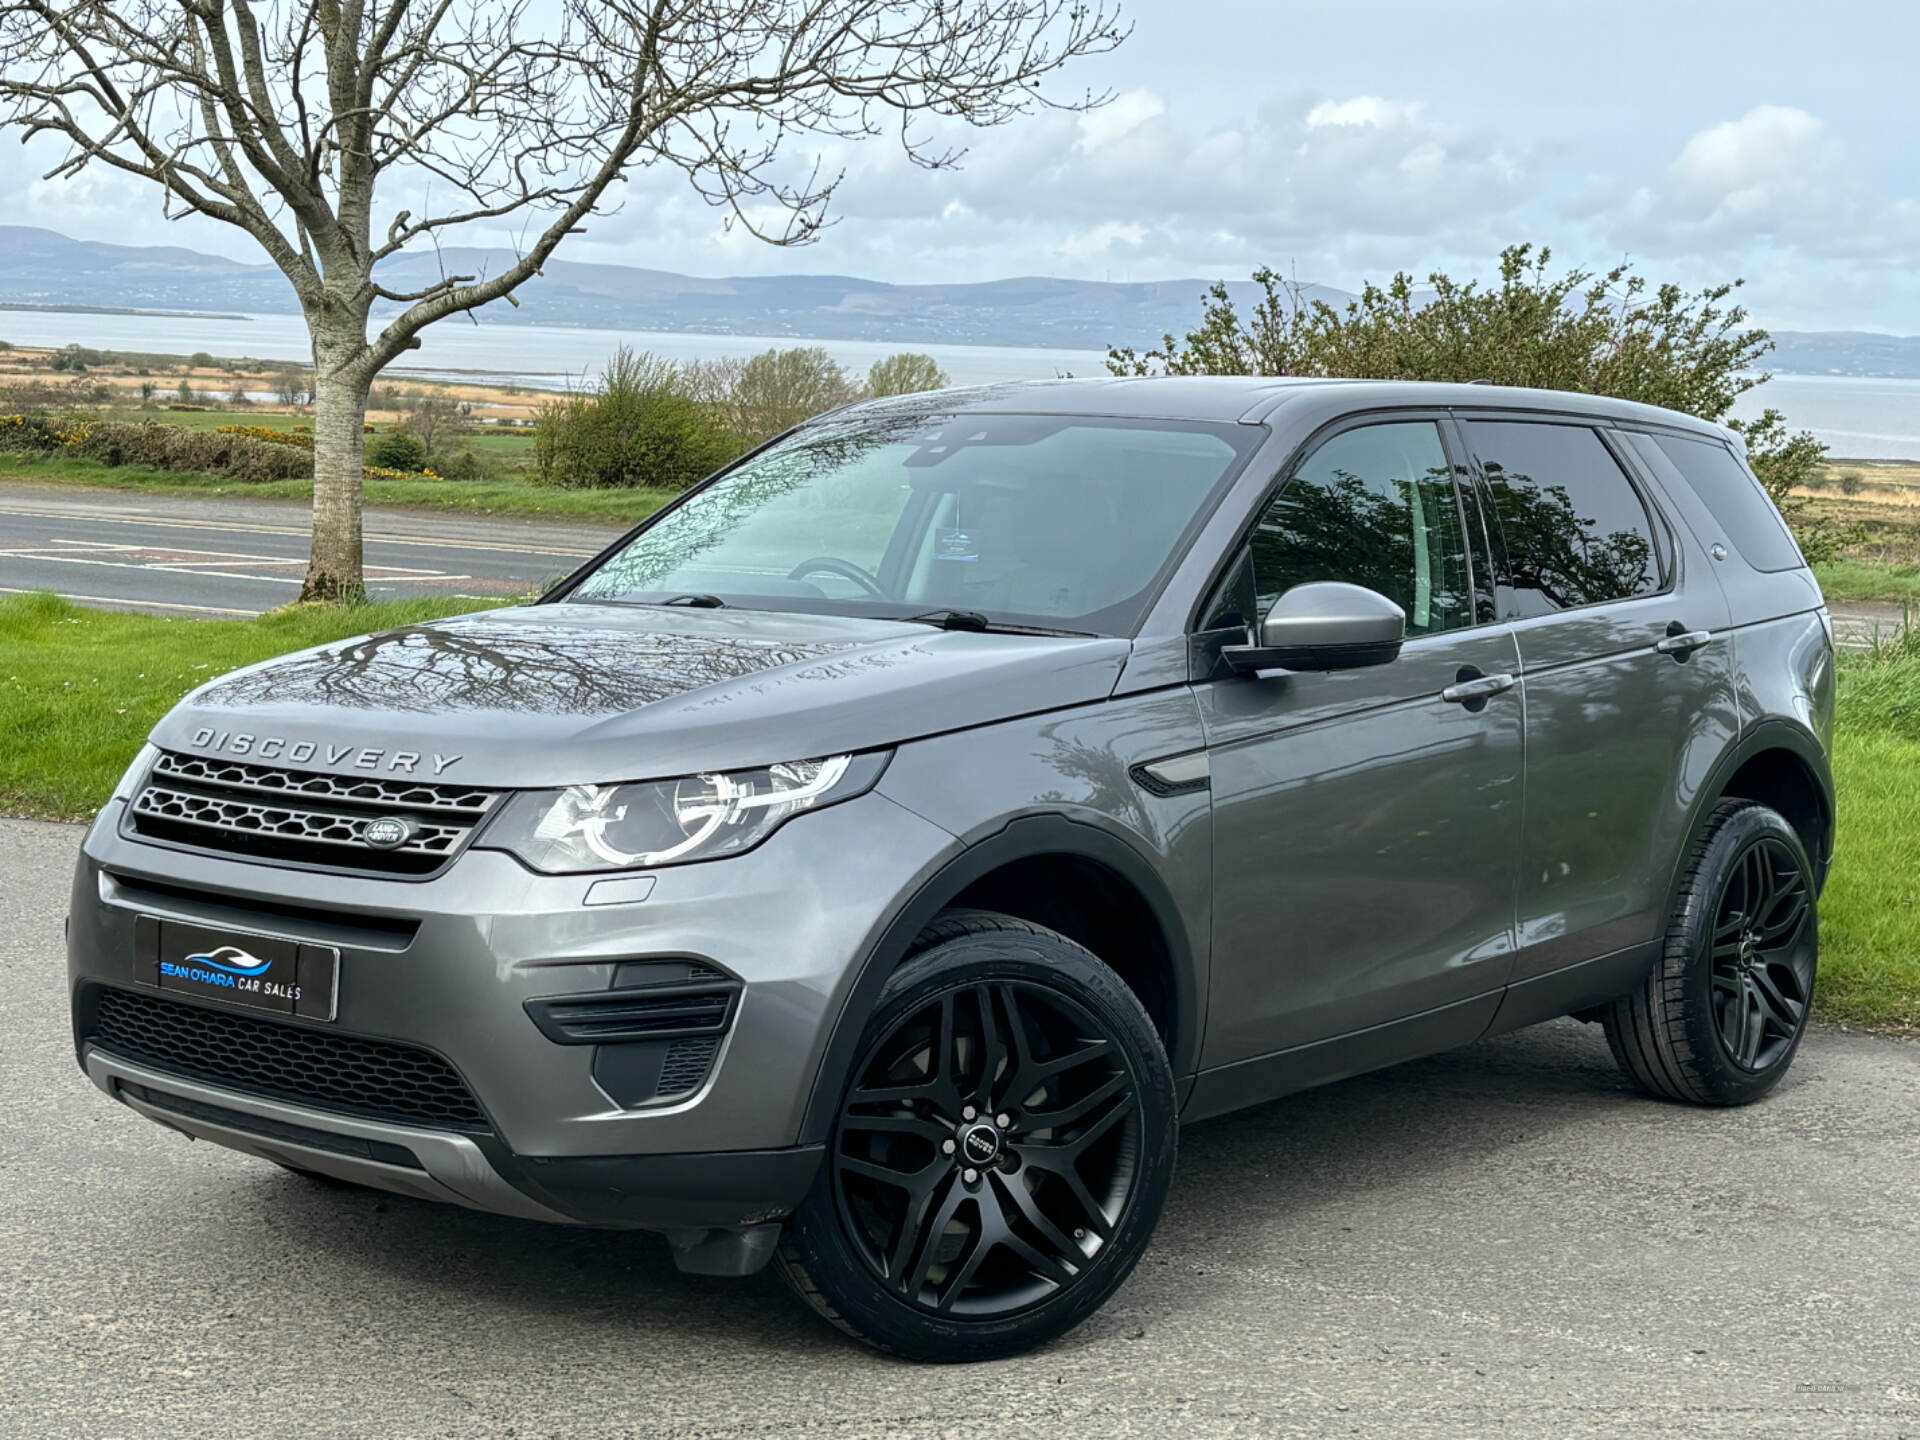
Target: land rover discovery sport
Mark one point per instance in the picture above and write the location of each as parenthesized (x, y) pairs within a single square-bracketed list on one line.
[(867, 863)]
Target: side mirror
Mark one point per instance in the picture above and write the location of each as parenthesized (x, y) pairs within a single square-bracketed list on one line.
[(1325, 625)]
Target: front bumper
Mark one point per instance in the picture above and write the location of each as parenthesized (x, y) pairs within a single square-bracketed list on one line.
[(448, 964), (689, 1192)]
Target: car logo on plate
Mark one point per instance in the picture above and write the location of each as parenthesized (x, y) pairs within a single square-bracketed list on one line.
[(387, 833), (233, 960)]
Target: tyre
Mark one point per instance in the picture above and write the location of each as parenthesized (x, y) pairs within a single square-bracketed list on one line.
[(1721, 1014), (1001, 1155)]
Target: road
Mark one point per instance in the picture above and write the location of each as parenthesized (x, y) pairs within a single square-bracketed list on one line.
[(1504, 1241), (213, 558)]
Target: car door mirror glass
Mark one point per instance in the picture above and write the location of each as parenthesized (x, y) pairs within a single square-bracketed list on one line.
[(1324, 625)]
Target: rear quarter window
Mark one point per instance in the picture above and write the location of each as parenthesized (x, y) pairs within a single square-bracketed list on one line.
[(1738, 502)]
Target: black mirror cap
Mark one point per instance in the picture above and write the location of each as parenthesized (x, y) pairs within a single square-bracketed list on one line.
[(1324, 625)]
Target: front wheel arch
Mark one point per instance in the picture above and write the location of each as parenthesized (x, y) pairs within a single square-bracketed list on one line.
[(1025, 839)]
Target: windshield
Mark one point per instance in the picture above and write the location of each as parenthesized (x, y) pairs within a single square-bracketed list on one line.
[(1043, 521)]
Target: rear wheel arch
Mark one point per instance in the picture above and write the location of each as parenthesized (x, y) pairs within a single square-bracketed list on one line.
[(1784, 768), (1080, 880)]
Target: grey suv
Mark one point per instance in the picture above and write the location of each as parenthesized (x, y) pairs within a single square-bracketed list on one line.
[(868, 862)]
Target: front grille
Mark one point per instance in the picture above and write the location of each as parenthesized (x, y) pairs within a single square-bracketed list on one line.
[(266, 813), (324, 1069)]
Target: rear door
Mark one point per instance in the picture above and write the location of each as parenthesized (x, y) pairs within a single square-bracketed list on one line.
[(1629, 697), (1365, 826)]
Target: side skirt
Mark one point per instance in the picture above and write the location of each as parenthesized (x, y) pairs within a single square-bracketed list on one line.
[(1544, 997), (1577, 987), (1268, 1077)]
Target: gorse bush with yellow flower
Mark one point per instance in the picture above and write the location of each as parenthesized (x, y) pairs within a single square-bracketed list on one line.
[(248, 453)]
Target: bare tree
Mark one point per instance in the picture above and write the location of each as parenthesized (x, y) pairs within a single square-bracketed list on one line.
[(285, 119)]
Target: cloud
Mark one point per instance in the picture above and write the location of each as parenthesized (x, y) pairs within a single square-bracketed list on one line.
[(1367, 111), (1317, 182), (1118, 119), (1775, 177)]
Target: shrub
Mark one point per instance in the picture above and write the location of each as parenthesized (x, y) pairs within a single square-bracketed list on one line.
[(225, 451), (1851, 483), (398, 450), (301, 438), (905, 374), (1608, 334), (779, 389), (464, 465), (29, 432), (637, 429), (200, 360), (161, 447)]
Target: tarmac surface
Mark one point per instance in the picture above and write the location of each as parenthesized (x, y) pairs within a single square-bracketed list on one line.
[(217, 559), (1502, 1241)]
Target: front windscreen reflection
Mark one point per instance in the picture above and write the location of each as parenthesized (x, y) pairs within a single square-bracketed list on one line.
[(1064, 522)]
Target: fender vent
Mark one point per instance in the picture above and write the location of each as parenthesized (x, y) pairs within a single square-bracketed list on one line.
[(689, 1010)]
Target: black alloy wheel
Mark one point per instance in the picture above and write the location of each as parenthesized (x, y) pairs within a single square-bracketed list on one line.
[(1723, 1010), (1762, 974), (988, 1146), (1000, 1155)]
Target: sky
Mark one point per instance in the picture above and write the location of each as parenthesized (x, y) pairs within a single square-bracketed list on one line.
[(1774, 142)]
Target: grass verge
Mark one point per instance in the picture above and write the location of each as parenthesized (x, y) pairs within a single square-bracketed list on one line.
[(80, 689), (1870, 914), (480, 497), (1843, 580)]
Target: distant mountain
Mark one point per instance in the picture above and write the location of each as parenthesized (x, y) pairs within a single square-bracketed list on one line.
[(42, 268), (1845, 352)]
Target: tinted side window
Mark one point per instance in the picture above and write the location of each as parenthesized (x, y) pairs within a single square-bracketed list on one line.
[(1374, 507), (1576, 531), (1736, 499)]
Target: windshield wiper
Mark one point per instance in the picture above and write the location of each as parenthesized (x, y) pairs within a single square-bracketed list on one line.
[(974, 621), (694, 602)]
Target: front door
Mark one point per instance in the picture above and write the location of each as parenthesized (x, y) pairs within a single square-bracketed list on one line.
[(1366, 826)]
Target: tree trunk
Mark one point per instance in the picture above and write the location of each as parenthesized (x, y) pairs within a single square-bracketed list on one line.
[(341, 383)]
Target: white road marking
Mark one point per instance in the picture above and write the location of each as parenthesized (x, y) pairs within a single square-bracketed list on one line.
[(385, 574), (247, 527)]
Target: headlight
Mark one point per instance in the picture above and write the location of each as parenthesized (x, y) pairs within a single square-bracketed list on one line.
[(671, 822)]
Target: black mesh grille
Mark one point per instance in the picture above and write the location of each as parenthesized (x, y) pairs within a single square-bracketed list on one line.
[(377, 1079), (686, 1065)]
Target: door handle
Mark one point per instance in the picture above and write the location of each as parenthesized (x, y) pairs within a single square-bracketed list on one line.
[(1471, 688), (1682, 643)]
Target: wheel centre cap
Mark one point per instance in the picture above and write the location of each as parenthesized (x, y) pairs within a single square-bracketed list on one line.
[(980, 1144)]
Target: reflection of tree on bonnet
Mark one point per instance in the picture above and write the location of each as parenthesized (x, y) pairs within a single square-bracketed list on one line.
[(531, 668), (1559, 553)]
